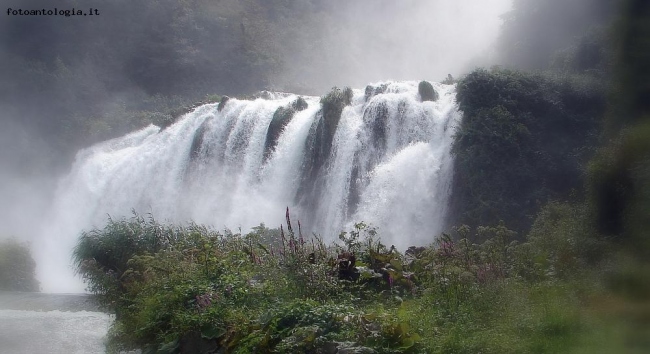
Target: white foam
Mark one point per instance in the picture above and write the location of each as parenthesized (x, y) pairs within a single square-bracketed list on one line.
[(53, 332)]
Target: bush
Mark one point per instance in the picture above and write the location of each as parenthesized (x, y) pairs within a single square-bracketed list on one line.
[(198, 291), (102, 256), (17, 267)]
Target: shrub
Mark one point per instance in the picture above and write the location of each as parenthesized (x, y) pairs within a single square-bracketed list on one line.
[(101, 256), (17, 267), (198, 291)]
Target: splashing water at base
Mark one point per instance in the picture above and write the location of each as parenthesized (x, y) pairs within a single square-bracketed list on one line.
[(51, 323), (52, 332), (386, 162)]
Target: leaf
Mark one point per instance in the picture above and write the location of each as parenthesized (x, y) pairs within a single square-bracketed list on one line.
[(168, 348), (403, 328), (263, 248), (383, 258), (407, 343), (212, 332), (369, 316), (410, 341), (396, 264)]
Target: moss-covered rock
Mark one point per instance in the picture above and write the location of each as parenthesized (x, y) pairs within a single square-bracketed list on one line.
[(299, 104), (374, 90), (333, 104), (319, 143), (281, 118), (222, 103), (197, 141), (427, 92)]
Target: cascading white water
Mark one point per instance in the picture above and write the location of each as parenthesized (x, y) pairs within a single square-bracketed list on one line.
[(389, 165)]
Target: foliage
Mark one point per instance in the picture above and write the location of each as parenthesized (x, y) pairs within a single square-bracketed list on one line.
[(264, 291), (526, 137), (579, 282), (524, 140), (193, 290), (102, 256), (17, 268)]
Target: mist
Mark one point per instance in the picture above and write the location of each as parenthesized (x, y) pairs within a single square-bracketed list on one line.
[(560, 35), (25, 184), (370, 41)]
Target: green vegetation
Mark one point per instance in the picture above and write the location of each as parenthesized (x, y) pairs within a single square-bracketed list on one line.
[(525, 139), (17, 268), (193, 290), (584, 262)]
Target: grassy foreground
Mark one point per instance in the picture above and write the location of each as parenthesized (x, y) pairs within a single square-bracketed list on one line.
[(189, 289)]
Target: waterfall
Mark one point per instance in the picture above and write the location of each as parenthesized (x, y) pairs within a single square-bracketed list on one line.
[(384, 160)]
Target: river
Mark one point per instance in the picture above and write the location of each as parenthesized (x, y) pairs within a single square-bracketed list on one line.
[(32, 323)]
